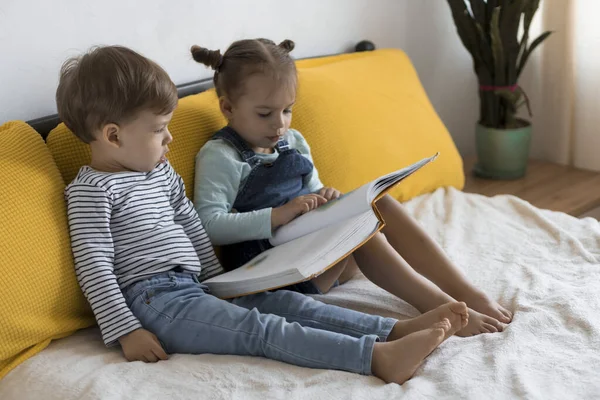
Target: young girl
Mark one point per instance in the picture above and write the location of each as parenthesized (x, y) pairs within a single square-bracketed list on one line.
[(257, 174)]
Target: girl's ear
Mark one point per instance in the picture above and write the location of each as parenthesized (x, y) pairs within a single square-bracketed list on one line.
[(226, 107)]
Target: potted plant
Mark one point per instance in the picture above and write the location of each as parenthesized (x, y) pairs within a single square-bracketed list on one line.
[(489, 29)]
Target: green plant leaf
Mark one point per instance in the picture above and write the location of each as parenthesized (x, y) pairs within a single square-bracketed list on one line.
[(529, 11), (467, 31), (528, 14), (461, 17), (479, 12), (497, 49), (485, 69), (510, 19), (530, 50)]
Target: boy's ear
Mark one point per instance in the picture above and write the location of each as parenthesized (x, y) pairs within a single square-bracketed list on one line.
[(110, 135), (226, 107)]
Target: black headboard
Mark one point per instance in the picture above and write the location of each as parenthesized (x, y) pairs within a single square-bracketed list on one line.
[(44, 125)]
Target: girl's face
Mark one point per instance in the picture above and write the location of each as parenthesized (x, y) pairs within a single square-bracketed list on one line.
[(262, 113)]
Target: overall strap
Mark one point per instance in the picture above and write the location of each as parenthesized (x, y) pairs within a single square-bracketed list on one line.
[(282, 145), (234, 139)]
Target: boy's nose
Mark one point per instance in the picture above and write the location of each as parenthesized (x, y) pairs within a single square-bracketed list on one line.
[(168, 138)]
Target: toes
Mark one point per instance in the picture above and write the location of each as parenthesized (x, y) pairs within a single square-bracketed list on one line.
[(440, 329), (507, 314), (490, 328), (498, 325), (494, 322), (464, 320), (504, 316), (459, 308), (443, 324)]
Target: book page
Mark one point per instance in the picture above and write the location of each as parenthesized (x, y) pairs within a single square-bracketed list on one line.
[(347, 206), (386, 182), (296, 261)]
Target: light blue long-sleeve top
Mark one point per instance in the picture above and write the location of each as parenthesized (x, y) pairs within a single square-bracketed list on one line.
[(220, 173)]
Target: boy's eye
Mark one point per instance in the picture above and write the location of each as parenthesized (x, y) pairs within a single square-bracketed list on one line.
[(287, 111), (159, 130), (264, 115)]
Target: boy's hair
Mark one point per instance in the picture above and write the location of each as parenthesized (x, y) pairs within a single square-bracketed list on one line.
[(111, 84), (245, 58)]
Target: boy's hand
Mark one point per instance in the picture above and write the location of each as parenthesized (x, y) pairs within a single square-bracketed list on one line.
[(142, 345), (298, 206), (330, 193)]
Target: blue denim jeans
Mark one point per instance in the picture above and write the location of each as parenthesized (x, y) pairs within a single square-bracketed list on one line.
[(282, 325)]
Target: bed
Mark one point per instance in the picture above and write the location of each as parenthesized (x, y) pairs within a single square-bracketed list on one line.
[(544, 266)]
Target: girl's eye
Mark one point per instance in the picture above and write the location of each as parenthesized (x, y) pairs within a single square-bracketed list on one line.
[(264, 115), (287, 111), (160, 130)]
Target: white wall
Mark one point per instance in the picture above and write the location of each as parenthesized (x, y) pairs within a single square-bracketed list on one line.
[(429, 38), (36, 36)]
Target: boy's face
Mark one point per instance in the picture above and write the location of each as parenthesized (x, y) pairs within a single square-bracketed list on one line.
[(140, 144), (263, 113)]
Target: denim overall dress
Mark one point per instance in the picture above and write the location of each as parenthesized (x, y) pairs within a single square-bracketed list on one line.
[(268, 185)]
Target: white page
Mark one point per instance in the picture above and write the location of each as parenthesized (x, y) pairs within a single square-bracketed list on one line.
[(347, 206), (382, 183)]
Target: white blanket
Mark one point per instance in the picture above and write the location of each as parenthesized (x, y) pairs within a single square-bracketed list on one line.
[(544, 266)]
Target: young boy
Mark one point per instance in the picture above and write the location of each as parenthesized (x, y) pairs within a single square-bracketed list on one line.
[(141, 252)]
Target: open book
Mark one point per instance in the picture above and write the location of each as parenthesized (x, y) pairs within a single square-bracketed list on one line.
[(315, 241)]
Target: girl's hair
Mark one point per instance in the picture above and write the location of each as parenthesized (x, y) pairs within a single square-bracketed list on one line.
[(245, 58)]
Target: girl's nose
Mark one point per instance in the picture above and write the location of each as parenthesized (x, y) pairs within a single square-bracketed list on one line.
[(279, 122)]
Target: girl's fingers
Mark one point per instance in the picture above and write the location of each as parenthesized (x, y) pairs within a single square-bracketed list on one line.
[(321, 200)]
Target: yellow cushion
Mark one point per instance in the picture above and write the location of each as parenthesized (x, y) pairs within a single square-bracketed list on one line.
[(40, 299), (68, 151), (195, 120), (367, 115)]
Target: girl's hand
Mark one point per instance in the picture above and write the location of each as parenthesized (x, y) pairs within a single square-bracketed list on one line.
[(330, 193), (142, 345), (298, 206)]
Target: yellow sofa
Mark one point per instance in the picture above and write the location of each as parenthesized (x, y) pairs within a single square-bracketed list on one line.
[(364, 114)]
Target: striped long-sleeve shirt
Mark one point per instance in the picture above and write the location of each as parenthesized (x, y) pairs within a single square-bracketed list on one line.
[(129, 226)]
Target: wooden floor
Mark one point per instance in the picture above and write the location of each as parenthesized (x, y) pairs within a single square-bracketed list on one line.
[(546, 185)]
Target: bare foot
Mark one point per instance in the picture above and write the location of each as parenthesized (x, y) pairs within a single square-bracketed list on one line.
[(480, 323), (398, 360), (455, 312), (483, 304)]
